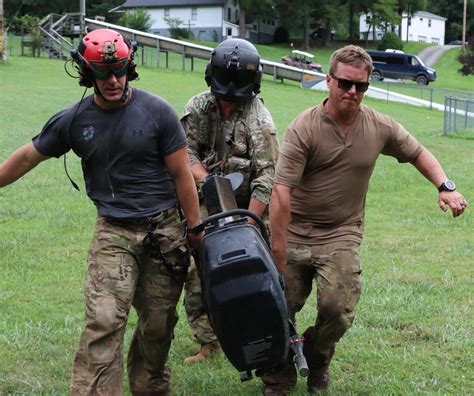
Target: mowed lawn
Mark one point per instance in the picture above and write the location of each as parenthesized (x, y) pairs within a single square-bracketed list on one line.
[(413, 333)]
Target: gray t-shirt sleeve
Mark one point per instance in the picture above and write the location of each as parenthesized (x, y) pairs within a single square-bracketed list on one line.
[(52, 140)]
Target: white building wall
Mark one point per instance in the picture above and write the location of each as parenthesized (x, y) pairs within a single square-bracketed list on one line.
[(420, 29), (232, 10), (230, 30), (206, 17)]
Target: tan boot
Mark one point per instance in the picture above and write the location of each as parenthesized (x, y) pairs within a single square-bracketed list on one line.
[(206, 350)]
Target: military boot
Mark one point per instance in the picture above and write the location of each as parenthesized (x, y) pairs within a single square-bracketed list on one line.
[(206, 350), (318, 378)]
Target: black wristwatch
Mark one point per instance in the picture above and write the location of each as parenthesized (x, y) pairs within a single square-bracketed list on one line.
[(197, 229), (447, 185)]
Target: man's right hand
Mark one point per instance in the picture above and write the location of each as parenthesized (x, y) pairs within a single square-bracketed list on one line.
[(194, 240)]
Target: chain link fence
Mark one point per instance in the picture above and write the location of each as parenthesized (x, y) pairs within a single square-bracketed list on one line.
[(458, 114)]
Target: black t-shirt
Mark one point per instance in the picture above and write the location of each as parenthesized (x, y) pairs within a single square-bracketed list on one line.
[(122, 152)]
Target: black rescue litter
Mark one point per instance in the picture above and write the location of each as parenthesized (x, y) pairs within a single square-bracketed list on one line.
[(243, 291)]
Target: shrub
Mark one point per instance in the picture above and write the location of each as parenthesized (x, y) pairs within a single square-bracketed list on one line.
[(466, 58), (137, 19), (390, 40)]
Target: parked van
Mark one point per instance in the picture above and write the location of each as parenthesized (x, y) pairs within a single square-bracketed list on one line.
[(400, 66)]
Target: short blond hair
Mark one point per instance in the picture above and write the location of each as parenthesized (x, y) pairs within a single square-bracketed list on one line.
[(350, 55)]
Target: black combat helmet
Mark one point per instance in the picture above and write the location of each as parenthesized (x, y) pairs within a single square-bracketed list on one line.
[(234, 71)]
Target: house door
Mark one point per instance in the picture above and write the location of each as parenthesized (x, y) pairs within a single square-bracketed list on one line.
[(229, 33)]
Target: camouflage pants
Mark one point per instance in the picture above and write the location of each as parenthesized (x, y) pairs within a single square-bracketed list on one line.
[(336, 269), (195, 312), (120, 274)]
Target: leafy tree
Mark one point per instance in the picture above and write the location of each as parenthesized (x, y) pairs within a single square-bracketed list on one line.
[(382, 15), (29, 26), (466, 58), (255, 7), (296, 16), (453, 11), (328, 15), (41, 8), (138, 19)]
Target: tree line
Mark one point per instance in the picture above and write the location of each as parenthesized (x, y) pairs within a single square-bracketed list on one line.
[(321, 19)]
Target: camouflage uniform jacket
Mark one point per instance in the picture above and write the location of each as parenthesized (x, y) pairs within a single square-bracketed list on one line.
[(247, 143)]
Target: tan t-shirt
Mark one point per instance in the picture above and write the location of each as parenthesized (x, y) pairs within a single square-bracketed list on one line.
[(330, 172)]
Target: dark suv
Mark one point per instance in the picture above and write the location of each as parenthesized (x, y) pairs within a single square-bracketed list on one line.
[(399, 65)]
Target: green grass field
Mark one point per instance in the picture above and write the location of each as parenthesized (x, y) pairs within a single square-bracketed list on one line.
[(413, 334)]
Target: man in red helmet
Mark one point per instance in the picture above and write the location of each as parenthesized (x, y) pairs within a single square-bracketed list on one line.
[(136, 171)]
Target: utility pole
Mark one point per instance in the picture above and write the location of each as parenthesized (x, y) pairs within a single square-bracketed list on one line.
[(82, 11), (2, 30), (464, 26)]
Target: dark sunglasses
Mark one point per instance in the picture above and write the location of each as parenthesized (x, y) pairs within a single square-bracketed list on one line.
[(346, 85), (102, 70), (240, 78)]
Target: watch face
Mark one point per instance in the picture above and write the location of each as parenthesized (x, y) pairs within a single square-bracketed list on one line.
[(450, 186)]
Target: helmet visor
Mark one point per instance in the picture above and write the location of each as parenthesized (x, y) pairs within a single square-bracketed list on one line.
[(240, 78), (102, 70)]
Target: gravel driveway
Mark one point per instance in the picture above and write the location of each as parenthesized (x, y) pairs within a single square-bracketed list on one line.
[(430, 55)]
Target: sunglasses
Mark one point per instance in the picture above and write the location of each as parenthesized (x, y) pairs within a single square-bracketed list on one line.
[(346, 85), (240, 78), (102, 70)]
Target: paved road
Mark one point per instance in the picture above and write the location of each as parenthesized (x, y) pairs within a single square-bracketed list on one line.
[(430, 55)]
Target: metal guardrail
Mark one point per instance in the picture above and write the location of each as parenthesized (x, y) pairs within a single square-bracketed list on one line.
[(458, 114), (430, 93), (191, 51)]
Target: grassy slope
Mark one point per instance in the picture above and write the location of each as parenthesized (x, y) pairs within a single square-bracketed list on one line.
[(413, 332)]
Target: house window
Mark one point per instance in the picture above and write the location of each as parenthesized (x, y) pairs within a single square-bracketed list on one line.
[(229, 32), (409, 21), (236, 15), (194, 13), (167, 12), (229, 14), (429, 22)]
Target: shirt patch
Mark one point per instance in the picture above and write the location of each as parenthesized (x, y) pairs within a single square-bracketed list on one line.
[(88, 133)]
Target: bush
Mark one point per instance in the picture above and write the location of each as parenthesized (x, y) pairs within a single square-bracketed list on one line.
[(137, 19), (178, 33), (466, 58), (390, 40)]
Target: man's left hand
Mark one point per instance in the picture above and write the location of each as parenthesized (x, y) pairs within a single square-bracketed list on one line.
[(453, 200)]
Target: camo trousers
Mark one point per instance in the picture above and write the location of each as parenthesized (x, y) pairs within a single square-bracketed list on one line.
[(336, 269), (195, 311), (120, 274)]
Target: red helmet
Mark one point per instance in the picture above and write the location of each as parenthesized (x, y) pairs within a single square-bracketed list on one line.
[(104, 45)]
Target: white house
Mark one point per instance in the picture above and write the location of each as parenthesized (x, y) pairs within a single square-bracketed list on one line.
[(211, 20), (422, 26)]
